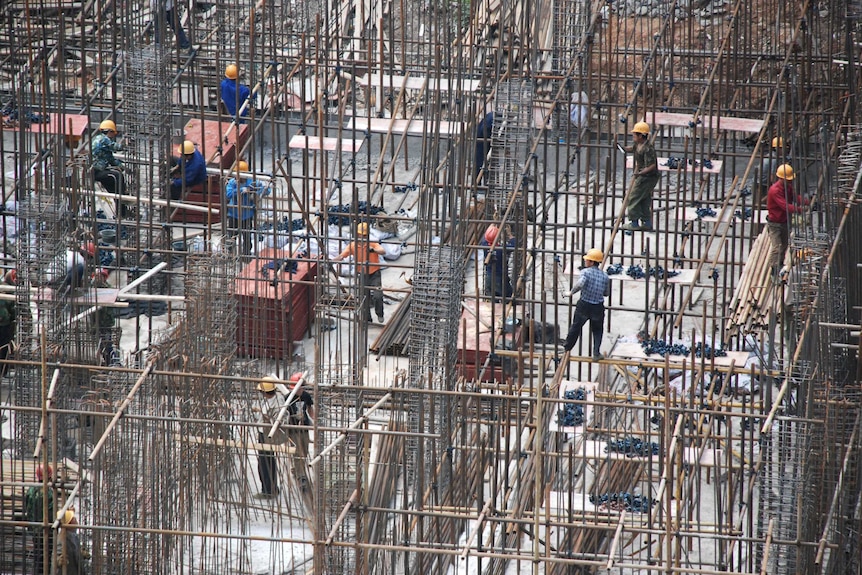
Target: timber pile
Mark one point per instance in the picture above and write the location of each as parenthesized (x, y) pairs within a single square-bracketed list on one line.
[(755, 298)]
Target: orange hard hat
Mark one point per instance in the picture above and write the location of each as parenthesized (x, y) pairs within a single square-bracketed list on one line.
[(90, 248), (231, 72), (242, 166), (295, 377), (11, 277), (491, 234)]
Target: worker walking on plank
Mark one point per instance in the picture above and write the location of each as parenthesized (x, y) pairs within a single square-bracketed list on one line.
[(108, 170), (188, 170), (594, 285), (646, 177), (366, 257), (781, 201), (234, 94)]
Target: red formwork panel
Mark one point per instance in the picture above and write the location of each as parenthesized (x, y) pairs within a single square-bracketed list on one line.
[(271, 317), (207, 194), (480, 321), (210, 136)]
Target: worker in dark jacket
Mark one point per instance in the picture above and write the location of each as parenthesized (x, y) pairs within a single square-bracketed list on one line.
[(233, 94), (497, 282), (70, 560), (107, 170), (39, 507), (8, 318), (646, 177), (781, 202), (188, 170), (594, 285), (484, 132)]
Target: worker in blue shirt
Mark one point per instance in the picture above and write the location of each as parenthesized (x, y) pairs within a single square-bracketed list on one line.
[(594, 285), (233, 94), (241, 194), (189, 169)]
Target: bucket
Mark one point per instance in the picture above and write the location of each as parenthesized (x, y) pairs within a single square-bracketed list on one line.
[(108, 237)]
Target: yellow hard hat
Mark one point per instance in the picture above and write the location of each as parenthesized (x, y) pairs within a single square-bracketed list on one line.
[(187, 147), (641, 128), (66, 517), (777, 142), (362, 229), (242, 166), (267, 384), (108, 125), (595, 255), (785, 172), (231, 72)]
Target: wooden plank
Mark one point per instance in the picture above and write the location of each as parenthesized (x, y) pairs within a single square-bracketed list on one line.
[(417, 82), (689, 213), (662, 167), (715, 122), (633, 350), (327, 144), (415, 127)]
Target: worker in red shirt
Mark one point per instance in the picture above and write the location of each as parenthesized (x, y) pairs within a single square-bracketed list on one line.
[(366, 258), (781, 202)]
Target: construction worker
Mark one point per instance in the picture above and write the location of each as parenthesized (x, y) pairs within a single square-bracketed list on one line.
[(497, 282), (172, 17), (188, 170), (271, 400), (774, 158), (67, 272), (8, 317), (594, 285), (39, 508), (107, 170), (781, 202), (241, 193), (646, 177), (233, 94), (70, 561), (484, 132), (366, 258), (301, 410), (104, 322)]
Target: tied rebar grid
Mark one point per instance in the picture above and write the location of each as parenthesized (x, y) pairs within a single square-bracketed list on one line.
[(232, 17), (782, 490), (44, 223), (570, 22), (849, 160), (510, 141), (438, 280), (146, 83)]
